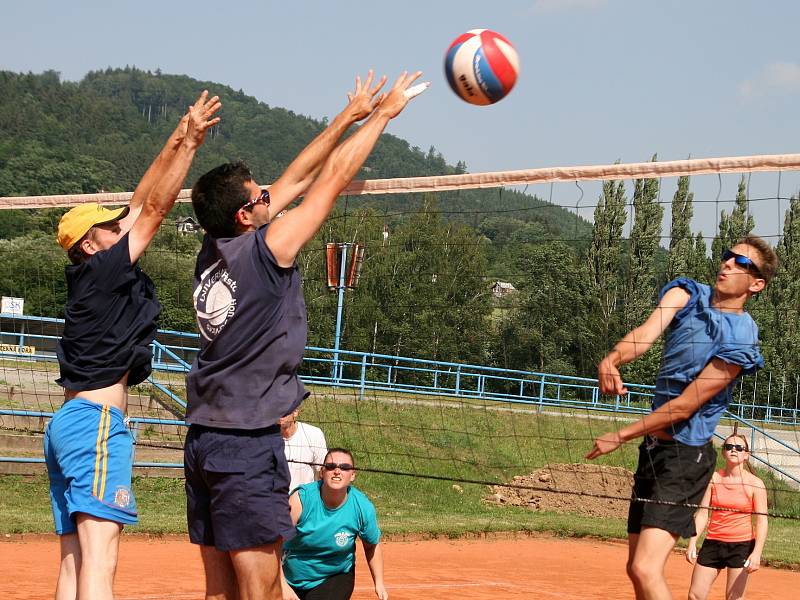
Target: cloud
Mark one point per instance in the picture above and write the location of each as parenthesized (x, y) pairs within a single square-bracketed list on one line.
[(779, 78), (552, 6)]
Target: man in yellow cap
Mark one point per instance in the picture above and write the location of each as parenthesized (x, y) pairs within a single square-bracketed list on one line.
[(110, 321)]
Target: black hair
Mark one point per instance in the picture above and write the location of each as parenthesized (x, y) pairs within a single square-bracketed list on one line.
[(218, 195), (343, 451)]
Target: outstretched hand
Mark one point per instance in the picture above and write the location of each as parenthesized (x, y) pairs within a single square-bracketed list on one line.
[(606, 443), (392, 103), (199, 119), (361, 100)]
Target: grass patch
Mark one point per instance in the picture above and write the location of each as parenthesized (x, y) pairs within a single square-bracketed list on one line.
[(410, 440)]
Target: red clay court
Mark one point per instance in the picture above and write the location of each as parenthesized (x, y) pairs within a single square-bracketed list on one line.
[(524, 567)]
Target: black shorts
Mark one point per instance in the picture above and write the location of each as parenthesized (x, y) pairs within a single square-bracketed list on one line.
[(671, 474), (237, 487), (721, 555), (336, 587)]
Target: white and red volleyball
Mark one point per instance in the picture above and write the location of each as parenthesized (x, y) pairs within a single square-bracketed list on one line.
[(481, 66)]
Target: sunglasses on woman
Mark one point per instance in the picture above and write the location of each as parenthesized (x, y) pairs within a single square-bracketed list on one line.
[(737, 447), (333, 466), (742, 261)]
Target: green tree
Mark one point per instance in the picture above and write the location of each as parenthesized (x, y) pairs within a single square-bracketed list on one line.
[(641, 284), (681, 240), (735, 226), (548, 330), (604, 260)]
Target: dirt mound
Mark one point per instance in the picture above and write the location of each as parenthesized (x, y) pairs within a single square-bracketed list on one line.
[(592, 490)]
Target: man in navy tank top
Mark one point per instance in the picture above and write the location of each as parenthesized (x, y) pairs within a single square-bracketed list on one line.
[(252, 320)]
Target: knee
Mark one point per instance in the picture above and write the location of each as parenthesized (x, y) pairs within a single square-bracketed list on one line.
[(640, 572)]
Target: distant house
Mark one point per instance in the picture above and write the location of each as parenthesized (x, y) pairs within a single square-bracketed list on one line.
[(186, 225), (501, 289)]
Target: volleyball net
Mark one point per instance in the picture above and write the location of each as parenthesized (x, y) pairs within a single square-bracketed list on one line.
[(464, 353)]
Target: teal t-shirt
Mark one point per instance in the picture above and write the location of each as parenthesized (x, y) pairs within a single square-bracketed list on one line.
[(325, 544)]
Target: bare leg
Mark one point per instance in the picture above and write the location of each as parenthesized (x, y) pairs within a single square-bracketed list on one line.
[(258, 572), (99, 540), (67, 587), (702, 580), (737, 581), (648, 562), (633, 540), (220, 576)]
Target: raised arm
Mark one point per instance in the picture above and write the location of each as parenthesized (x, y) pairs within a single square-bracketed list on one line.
[(286, 236), (154, 173), (714, 378), (304, 169), (700, 522), (374, 555), (638, 341), (165, 191)]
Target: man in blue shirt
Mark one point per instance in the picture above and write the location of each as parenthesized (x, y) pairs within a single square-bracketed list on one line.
[(710, 342), (252, 321), (110, 320)]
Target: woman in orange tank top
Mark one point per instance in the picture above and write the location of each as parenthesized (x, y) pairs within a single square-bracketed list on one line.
[(732, 542)]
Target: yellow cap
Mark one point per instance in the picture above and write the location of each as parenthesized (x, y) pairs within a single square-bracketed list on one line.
[(77, 221)]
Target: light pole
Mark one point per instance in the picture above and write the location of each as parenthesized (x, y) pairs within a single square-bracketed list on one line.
[(342, 276)]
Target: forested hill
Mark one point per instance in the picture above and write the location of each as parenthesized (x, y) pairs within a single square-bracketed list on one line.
[(101, 133)]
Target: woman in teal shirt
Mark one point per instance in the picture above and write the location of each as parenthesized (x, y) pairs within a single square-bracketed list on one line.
[(319, 562)]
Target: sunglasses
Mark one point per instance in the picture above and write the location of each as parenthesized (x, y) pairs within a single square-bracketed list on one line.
[(262, 197), (334, 466), (737, 447), (743, 262)]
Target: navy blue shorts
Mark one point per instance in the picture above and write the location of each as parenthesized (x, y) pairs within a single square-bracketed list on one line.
[(237, 487)]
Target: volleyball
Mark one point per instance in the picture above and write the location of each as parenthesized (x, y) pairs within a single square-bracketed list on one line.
[(481, 66)]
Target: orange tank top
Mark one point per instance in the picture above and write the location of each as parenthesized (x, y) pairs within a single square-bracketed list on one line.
[(728, 526)]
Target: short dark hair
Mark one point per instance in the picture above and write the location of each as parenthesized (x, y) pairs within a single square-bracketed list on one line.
[(343, 451), (218, 195), (76, 254), (769, 260)]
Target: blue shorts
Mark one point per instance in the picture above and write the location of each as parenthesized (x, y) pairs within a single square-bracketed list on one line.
[(88, 450), (237, 487)]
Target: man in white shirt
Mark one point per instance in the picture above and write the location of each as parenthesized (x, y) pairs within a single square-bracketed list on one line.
[(305, 449)]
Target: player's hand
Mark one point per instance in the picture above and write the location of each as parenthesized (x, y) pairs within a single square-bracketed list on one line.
[(691, 553), (381, 593), (608, 378), (361, 99), (753, 563), (392, 103), (200, 120), (604, 444)]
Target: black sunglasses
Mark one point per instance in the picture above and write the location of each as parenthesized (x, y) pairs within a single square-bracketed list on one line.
[(334, 466), (743, 262), (262, 197), (737, 447)]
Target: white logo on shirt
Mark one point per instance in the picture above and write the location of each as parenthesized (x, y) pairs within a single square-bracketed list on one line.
[(214, 300), (342, 538)]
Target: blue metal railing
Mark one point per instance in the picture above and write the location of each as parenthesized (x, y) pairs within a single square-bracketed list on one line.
[(173, 352)]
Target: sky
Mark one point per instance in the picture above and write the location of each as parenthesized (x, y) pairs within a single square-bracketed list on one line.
[(600, 80)]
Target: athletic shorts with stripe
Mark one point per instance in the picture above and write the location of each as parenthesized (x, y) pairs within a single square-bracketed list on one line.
[(88, 450)]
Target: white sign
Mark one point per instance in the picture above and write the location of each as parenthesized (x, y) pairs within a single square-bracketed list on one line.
[(12, 306)]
